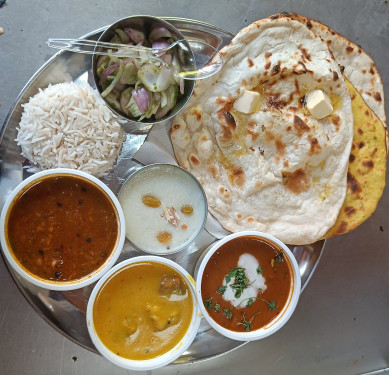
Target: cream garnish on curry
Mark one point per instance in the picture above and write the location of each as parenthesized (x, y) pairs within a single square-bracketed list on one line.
[(256, 281)]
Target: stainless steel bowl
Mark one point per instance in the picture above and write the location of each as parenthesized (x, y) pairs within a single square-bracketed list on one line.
[(146, 23)]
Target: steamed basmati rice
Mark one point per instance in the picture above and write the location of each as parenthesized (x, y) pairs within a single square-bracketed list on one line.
[(67, 125)]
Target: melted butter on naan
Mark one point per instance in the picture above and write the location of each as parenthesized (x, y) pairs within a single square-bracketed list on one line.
[(277, 170)]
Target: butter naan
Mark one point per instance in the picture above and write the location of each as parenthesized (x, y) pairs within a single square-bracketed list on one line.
[(277, 170), (355, 63)]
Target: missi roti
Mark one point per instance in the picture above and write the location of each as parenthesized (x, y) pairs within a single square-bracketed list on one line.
[(366, 170)]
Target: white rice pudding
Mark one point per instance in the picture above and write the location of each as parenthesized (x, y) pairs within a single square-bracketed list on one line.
[(164, 208)]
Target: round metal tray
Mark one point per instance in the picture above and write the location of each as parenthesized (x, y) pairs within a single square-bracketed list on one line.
[(65, 311)]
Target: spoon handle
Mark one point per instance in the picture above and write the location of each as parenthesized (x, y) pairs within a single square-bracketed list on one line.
[(106, 48), (211, 66)]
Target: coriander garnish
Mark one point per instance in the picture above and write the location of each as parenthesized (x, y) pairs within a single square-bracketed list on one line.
[(250, 302), (279, 257), (245, 323), (259, 270), (227, 313), (208, 303), (241, 281), (270, 305), (217, 307), (222, 289)]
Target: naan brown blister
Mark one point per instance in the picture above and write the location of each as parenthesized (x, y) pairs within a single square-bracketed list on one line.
[(278, 170)]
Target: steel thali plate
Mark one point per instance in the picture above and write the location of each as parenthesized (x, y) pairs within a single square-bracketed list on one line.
[(65, 311)]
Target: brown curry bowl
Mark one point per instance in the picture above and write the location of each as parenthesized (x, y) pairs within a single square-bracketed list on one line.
[(248, 285), (62, 229)]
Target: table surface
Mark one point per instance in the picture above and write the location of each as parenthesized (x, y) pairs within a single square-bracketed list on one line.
[(341, 324)]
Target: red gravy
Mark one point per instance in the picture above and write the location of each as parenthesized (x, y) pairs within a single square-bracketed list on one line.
[(62, 228), (276, 269)]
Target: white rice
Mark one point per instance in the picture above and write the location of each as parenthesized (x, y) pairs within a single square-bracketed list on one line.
[(68, 125)]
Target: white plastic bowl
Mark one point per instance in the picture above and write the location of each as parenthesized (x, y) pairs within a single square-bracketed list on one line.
[(162, 360), (61, 285), (280, 319)]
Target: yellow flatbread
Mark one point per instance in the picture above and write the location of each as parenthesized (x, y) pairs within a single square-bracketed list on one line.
[(367, 167)]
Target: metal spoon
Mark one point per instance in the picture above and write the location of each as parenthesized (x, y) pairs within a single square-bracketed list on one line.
[(208, 60)]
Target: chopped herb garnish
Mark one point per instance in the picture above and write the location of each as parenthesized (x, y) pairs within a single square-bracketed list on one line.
[(241, 281), (233, 273), (208, 303), (217, 307), (247, 324), (279, 258), (259, 270), (227, 313), (250, 302), (222, 289), (271, 305)]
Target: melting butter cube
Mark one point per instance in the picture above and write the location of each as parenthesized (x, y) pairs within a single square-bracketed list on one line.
[(247, 102), (319, 104)]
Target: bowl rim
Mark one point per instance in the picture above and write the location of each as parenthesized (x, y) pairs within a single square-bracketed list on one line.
[(196, 181), (151, 121), (64, 285), (172, 354), (285, 313)]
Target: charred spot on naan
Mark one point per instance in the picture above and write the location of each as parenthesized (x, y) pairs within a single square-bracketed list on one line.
[(367, 167), (300, 126), (225, 192), (194, 160), (227, 127), (352, 59), (297, 182), (213, 171), (179, 133), (274, 101), (315, 147), (237, 177)]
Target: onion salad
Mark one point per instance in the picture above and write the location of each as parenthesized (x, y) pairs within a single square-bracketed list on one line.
[(141, 87)]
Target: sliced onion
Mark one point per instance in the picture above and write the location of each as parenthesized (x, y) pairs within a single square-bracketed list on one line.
[(155, 78), (142, 98), (182, 85), (167, 57), (171, 93), (101, 60), (137, 36), (120, 86), (157, 96), (158, 33), (130, 74), (163, 99), (124, 37), (162, 112), (109, 71), (114, 81), (160, 44), (113, 99), (125, 99)]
